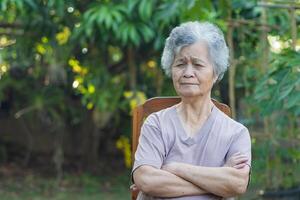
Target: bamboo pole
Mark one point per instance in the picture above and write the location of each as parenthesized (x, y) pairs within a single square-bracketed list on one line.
[(264, 65), (232, 68), (246, 22), (264, 41)]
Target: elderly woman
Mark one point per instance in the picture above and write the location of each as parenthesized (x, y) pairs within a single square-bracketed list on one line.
[(192, 150)]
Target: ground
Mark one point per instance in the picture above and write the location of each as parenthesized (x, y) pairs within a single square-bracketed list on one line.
[(27, 185)]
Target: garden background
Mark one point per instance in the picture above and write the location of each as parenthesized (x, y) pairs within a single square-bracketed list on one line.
[(72, 71)]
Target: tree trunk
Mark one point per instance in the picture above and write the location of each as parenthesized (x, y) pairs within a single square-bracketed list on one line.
[(58, 156), (132, 68)]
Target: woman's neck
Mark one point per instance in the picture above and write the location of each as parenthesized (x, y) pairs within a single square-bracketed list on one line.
[(195, 110)]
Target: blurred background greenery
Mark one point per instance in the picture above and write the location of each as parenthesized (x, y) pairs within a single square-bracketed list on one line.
[(71, 72)]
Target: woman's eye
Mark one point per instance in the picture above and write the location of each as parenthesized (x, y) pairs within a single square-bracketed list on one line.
[(198, 65), (180, 65)]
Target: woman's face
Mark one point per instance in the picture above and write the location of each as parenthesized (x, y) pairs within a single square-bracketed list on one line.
[(192, 71)]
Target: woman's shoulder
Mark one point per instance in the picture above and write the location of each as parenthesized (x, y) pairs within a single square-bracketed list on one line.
[(160, 117), (231, 123)]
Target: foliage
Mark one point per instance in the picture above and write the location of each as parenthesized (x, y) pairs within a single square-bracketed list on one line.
[(57, 53), (64, 61), (277, 95), (279, 89)]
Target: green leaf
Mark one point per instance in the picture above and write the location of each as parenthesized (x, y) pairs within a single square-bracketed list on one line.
[(32, 4), (146, 32), (145, 9), (293, 100), (123, 33), (133, 34), (117, 16), (285, 91), (130, 6)]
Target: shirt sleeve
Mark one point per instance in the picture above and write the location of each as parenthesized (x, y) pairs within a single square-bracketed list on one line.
[(151, 148), (241, 142)]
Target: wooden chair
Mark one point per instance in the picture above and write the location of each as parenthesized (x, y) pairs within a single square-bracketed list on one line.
[(153, 105)]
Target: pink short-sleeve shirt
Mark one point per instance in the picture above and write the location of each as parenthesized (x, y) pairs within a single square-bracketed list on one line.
[(163, 140)]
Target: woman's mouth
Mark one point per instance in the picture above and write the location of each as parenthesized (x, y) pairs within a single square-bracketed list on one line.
[(189, 84)]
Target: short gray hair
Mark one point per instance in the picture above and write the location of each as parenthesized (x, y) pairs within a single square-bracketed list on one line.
[(191, 32)]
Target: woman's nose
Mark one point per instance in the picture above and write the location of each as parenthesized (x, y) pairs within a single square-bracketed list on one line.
[(188, 71)]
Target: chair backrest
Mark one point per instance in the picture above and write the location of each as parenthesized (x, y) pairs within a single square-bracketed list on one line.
[(153, 105)]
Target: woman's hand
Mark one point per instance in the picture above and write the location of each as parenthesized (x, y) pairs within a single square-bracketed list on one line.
[(237, 161)]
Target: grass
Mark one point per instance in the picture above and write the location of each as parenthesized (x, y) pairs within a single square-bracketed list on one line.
[(72, 187)]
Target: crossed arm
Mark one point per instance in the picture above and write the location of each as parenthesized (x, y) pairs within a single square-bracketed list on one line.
[(180, 179), (161, 183)]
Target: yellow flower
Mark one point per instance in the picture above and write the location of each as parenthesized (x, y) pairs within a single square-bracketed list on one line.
[(151, 64), (128, 94), (90, 105), (72, 62), (4, 41), (133, 103), (45, 40), (136, 98), (63, 37), (119, 144), (3, 68), (124, 145), (76, 67), (141, 97), (40, 48), (91, 89)]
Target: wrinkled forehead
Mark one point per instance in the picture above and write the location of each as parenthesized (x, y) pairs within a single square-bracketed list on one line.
[(197, 50)]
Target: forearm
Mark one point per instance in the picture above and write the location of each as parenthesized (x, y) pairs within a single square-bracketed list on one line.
[(160, 183), (221, 181)]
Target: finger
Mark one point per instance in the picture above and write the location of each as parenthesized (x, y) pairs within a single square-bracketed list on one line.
[(241, 160), (240, 166), (239, 156), (238, 159)]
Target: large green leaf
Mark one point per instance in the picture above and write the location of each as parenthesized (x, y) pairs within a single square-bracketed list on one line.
[(145, 9), (277, 89)]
